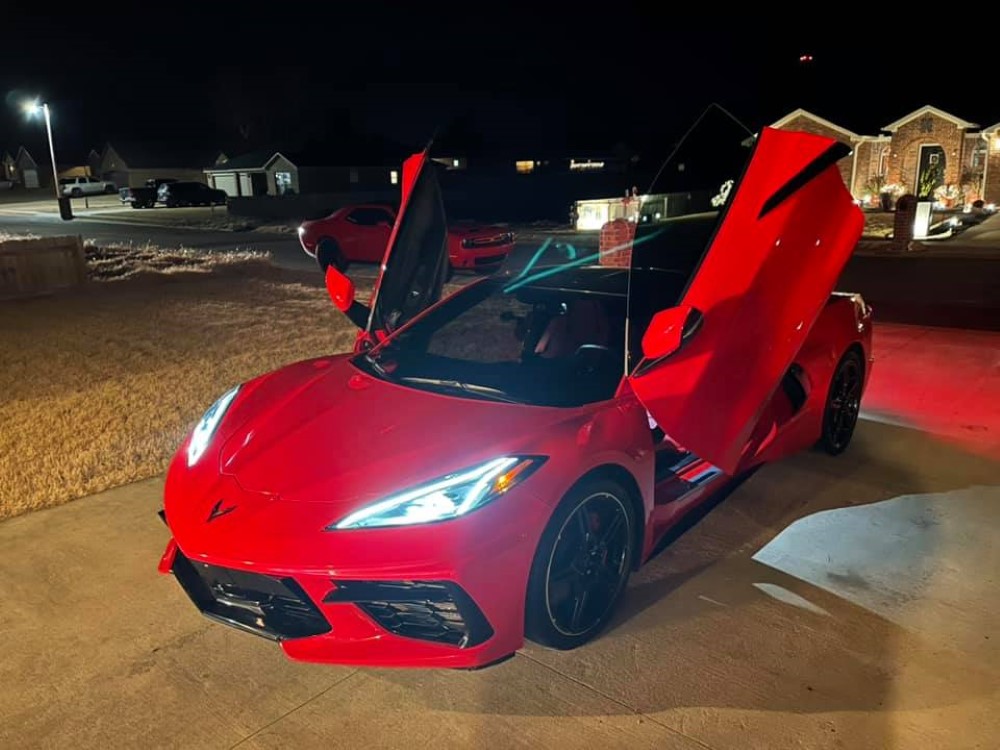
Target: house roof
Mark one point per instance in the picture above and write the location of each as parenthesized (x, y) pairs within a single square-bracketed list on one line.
[(152, 155), (341, 152), (23, 153), (817, 119), (929, 110), (991, 128), (253, 160)]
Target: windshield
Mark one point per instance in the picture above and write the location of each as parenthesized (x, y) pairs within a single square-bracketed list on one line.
[(562, 321), (554, 340)]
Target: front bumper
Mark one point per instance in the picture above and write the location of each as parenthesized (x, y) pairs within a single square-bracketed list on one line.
[(438, 596), (479, 257)]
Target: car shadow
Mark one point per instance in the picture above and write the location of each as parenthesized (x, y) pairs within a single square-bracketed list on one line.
[(705, 624)]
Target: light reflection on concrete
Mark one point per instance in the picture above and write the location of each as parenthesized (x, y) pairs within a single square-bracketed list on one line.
[(925, 562), (789, 597)]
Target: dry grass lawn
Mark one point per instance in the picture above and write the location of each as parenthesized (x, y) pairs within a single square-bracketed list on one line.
[(98, 387)]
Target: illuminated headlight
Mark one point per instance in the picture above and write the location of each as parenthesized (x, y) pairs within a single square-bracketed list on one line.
[(449, 497), (206, 427)]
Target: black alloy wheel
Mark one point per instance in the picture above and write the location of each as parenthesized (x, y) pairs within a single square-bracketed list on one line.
[(843, 403), (581, 566)]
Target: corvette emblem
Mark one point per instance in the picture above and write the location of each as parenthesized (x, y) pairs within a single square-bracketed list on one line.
[(218, 510)]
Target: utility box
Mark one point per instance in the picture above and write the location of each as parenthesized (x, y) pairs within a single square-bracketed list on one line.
[(29, 268)]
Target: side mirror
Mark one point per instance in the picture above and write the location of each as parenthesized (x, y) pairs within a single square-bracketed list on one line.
[(340, 288), (669, 330)]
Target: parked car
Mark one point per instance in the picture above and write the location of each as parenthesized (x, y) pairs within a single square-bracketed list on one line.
[(175, 194), (144, 197), (79, 186), (360, 233), (493, 465)]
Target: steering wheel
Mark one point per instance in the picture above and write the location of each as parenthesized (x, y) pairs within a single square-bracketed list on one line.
[(591, 357)]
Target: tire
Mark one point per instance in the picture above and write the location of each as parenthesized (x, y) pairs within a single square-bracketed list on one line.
[(843, 402), (328, 252), (577, 576), (76, 192), (138, 205), (110, 189)]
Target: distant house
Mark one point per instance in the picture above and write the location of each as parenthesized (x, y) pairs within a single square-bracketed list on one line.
[(928, 152), (21, 169), (256, 173), (131, 165), (275, 172)]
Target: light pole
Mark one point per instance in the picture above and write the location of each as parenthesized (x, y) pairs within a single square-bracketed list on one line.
[(32, 108)]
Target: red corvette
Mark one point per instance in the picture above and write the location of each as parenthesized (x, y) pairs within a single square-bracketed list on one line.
[(361, 233), (492, 466)]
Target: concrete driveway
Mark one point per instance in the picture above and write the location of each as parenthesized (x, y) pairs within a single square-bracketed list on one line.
[(843, 602)]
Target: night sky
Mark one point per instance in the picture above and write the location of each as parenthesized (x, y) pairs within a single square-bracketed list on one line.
[(508, 78)]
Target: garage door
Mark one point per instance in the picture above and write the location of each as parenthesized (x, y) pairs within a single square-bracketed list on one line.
[(226, 181), (30, 178)]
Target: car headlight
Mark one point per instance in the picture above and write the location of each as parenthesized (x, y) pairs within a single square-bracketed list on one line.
[(449, 497), (206, 427)]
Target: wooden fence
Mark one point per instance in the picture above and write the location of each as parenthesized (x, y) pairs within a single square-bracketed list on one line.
[(40, 266)]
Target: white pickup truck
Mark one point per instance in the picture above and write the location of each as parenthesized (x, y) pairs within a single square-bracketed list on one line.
[(77, 186)]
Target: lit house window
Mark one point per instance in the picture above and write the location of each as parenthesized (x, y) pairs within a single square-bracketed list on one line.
[(394, 177), (283, 182), (978, 156), (524, 166)]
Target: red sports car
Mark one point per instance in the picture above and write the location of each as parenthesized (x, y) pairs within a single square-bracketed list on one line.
[(492, 466), (361, 233)]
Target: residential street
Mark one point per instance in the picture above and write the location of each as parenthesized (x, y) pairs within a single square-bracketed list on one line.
[(927, 290), (843, 602), (107, 221)]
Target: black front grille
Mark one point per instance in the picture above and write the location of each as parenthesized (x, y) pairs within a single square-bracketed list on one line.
[(494, 241), (488, 260), (276, 608), (437, 611)]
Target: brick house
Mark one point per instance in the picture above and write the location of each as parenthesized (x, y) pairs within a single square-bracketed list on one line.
[(928, 152)]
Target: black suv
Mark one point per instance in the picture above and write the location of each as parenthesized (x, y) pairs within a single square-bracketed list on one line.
[(173, 194)]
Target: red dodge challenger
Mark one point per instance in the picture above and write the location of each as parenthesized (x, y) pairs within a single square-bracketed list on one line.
[(360, 233), (492, 466)]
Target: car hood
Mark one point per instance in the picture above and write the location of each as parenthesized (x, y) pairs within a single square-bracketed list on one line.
[(325, 432), (475, 230)]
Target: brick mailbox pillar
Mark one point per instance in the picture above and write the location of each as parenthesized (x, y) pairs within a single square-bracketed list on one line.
[(616, 243), (902, 228)]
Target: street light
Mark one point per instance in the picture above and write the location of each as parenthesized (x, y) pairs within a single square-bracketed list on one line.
[(32, 108)]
